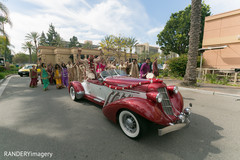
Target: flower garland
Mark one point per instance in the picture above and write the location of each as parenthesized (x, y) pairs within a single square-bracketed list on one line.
[(133, 85)]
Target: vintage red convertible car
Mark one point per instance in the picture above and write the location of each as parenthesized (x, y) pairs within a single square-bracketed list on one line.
[(133, 102)]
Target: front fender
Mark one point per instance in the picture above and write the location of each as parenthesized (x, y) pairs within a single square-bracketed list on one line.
[(143, 107)]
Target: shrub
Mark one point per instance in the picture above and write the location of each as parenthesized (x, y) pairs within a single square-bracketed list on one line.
[(177, 66), (2, 75), (216, 79), (212, 78), (163, 73), (13, 68), (2, 69)]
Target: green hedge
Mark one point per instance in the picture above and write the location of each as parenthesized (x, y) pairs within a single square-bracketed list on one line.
[(2, 76), (2, 69), (177, 66)]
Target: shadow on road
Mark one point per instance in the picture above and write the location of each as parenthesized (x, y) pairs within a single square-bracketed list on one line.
[(193, 142)]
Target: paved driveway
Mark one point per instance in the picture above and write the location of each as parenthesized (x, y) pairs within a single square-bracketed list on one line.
[(38, 121)]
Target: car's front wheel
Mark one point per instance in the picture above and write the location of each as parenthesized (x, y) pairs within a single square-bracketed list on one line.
[(72, 93), (131, 124)]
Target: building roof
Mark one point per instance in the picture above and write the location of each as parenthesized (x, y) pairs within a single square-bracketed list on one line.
[(222, 15)]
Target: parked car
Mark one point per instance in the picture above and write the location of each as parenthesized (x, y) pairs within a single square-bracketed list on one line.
[(26, 69), (133, 102)]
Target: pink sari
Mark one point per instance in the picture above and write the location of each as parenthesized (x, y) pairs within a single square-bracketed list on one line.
[(33, 76)]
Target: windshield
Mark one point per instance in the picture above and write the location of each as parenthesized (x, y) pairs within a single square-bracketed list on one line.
[(121, 72), (111, 73), (27, 67)]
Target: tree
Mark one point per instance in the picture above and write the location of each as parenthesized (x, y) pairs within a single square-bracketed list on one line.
[(4, 18), (175, 35), (28, 46), (5, 48), (74, 42), (43, 40), (53, 38), (119, 43), (190, 76), (33, 36), (131, 42), (60, 41), (20, 58)]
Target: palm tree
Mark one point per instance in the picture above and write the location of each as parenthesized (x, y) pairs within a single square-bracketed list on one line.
[(190, 77), (107, 44), (28, 46), (33, 36), (4, 18), (119, 43), (131, 42)]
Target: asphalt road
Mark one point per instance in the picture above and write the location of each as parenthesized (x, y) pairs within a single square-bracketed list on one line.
[(38, 121)]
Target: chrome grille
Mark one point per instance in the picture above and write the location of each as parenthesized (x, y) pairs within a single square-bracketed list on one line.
[(166, 104)]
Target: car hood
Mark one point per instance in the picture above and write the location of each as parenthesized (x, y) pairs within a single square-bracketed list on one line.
[(23, 70), (123, 81)]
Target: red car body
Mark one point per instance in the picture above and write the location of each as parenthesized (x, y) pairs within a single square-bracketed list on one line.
[(146, 99)]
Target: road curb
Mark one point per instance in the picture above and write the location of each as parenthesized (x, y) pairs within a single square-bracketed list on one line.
[(2, 80), (209, 92)]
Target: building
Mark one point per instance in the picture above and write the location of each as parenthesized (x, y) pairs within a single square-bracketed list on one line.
[(146, 48), (222, 41), (49, 54)]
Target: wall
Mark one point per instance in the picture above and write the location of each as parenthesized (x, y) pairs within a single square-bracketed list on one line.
[(222, 29), (55, 55)]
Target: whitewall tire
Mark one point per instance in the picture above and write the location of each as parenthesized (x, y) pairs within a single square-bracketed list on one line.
[(131, 124)]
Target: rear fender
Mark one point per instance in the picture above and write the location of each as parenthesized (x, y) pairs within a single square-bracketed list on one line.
[(78, 88), (143, 107), (76, 85)]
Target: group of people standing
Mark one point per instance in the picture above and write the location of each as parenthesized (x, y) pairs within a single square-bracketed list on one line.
[(86, 68)]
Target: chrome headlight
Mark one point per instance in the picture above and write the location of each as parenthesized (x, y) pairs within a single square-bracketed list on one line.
[(175, 89), (187, 111), (159, 97)]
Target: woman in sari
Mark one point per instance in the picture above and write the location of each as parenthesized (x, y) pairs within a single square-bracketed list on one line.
[(33, 75), (50, 72), (64, 75), (44, 77), (57, 76)]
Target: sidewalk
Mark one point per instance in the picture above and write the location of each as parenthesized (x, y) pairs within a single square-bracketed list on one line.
[(2, 80), (214, 88), (211, 88)]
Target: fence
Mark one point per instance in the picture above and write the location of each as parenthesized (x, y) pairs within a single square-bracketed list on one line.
[(229, 73)]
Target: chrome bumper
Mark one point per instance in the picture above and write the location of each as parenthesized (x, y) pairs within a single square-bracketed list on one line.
[(182, 122), (173, 127)]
